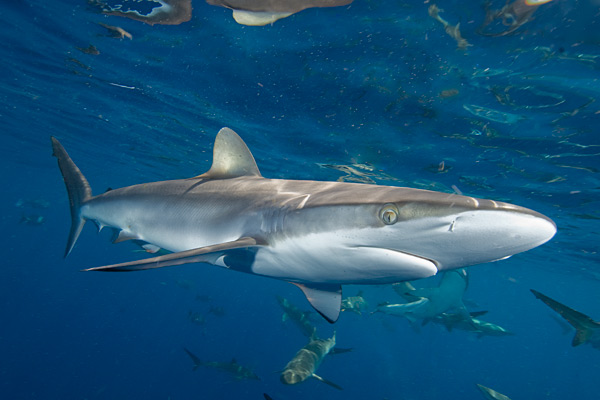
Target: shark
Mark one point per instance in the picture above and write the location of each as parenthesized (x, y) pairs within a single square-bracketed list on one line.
[(491, 394), (469, 323), (238, 371), (587, 331), (432, 302), (357, 304), (316, 235), (307, 360), (300, 318)]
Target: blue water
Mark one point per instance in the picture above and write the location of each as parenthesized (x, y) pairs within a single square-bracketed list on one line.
[(358, 86)]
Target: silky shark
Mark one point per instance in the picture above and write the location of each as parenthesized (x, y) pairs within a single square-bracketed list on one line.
[(587, 330), (316, 235), (307, 360), (300, 318), (238, 371), (432, 302)]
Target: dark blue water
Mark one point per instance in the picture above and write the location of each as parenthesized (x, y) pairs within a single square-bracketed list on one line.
[(376, 84)]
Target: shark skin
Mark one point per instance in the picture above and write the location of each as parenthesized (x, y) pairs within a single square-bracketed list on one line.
[(435, 301), (587, 330), (316, 235)]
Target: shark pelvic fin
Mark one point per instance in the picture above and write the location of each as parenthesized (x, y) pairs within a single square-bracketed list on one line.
[(325, 298), (201, 254), (338, 387), (78, 189), (124, 236), (231, 158)]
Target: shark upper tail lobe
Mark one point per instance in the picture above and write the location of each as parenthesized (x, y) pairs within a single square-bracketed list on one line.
[(78, 189)]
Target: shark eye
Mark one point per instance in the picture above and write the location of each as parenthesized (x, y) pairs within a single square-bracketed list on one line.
[(389, 214)]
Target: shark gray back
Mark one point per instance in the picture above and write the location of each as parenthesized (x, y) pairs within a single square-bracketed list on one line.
[(316, 235)]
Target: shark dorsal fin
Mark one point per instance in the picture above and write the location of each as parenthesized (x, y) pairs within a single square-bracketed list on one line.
[(231, 158)]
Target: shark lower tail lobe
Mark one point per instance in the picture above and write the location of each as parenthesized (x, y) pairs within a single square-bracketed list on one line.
[(78, 189)]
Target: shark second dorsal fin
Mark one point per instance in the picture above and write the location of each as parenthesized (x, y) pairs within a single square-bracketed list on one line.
[(231, 158)]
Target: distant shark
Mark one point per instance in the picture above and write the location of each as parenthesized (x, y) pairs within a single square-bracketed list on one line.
[(471, 324), (491, 394), (299, 317), (587, 330), (307, 360), (238, 371), (316, 235), (263, 12), (434, 301)]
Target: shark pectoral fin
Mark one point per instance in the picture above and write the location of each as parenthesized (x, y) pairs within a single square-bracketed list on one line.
[(422, 292), (202, 254), (325, 298), (338, 387), (338, 350)]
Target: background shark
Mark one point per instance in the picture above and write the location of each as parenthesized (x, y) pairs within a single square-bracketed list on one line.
[(307, 360), (432, 302), (316, 235), (238, 371), (299, 317)]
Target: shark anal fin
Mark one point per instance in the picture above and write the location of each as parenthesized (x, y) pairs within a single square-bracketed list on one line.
[(325, 298), (338, 387), (201, 254)]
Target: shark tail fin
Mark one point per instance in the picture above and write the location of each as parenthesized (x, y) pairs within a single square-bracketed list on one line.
[(195, 359), (78, 189), (583, 324)]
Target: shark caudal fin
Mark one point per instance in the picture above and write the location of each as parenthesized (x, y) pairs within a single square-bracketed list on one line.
[(78, 189), (195, 359), (584, 325)]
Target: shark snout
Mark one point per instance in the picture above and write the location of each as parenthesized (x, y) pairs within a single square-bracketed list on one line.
[(289, 377)]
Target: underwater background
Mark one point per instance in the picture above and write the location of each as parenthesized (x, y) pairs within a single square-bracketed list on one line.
[(374, 92)]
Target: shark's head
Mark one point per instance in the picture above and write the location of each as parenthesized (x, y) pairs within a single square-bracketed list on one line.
[(379, 234), (453, 231), (292, 377)]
